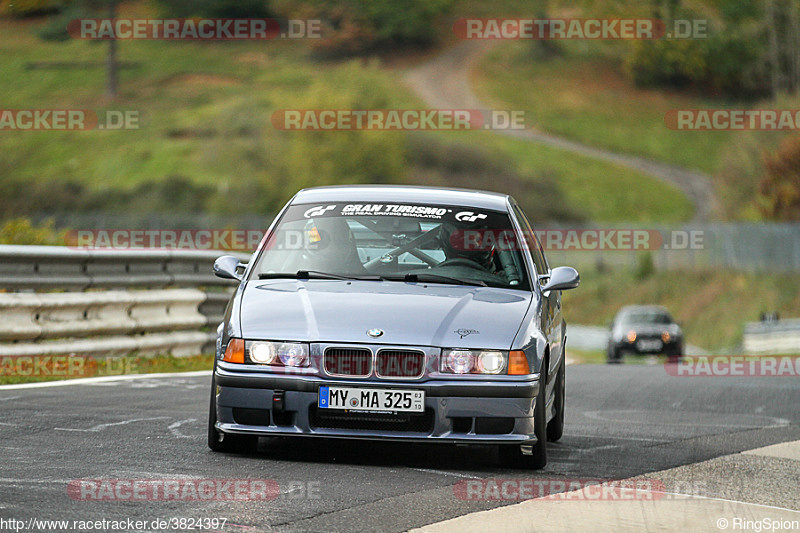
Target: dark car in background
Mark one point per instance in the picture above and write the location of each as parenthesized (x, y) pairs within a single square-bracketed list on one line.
[(644, 329)]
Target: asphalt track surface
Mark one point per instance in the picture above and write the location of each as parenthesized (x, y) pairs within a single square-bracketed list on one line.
[(622, 421)]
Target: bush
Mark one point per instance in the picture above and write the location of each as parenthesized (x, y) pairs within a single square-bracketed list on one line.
[(645, 267), (731, 61), (358, 26), (779, 191), (55, 29), (215, 8), (23, 231), (675, 63), (28, 8), (174, 194), (736, 65)]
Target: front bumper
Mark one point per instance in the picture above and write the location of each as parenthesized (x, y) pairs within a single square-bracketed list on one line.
[(666, 347), (456, 411)]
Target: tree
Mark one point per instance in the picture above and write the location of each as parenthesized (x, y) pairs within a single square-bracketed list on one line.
[(783, 28), (112, 65)]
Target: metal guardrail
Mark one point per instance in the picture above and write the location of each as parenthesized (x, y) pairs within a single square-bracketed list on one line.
[(153, 302), (56, 267), (771, 337)]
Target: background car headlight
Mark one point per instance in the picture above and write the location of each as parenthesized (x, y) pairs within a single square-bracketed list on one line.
[(279, 353), (473, 361)]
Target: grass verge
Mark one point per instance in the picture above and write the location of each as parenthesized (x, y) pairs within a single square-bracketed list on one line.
[(15, 370), (588, 98), (206, 113)]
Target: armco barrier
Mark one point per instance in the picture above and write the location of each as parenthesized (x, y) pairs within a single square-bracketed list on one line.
[(56, 267), (152, 302), (772, 337)]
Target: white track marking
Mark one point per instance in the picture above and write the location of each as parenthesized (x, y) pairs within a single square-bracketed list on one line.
[(176, 432), (103, 379), (638, 439), (5, 480), (776, 421), (443, 473), (101, 427), (594, 449)]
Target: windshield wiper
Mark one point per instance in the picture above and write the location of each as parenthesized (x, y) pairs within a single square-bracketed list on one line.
[(314, 274), (413, 278)]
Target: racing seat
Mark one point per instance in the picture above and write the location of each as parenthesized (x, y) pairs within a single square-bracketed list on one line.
[(337, 252)]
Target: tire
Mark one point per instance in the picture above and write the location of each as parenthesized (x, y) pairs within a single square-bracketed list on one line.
[(674, 356), (226, 442), (555, 428), (614, 355), (511, 454)]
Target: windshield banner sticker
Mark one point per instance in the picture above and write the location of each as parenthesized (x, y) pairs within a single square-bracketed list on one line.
[(416, 211)]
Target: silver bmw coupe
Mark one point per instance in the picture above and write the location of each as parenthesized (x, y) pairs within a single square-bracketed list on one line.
[(392, 312)]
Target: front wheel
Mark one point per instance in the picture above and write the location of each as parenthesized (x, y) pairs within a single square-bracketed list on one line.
[(555, 428), (511, 454), (226, 442)]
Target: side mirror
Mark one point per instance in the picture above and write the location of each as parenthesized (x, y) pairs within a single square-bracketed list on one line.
[(226, 267), (562, 278)]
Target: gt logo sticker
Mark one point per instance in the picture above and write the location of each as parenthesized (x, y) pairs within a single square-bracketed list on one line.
[(469, 216), (464, 332), (318, 211)]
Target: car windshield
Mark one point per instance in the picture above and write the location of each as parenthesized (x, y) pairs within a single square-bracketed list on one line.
[(396, 242), (647, 317)]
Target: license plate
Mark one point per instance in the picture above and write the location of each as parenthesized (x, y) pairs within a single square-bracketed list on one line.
[(649, 345), (387, 400)]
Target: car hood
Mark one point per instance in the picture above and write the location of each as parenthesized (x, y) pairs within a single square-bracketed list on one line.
[(408, 313)]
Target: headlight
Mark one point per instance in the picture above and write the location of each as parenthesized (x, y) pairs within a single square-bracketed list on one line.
[(473, 361), (491, 362), (458, 361), (631, 336), (279, 353), (665, 336)]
